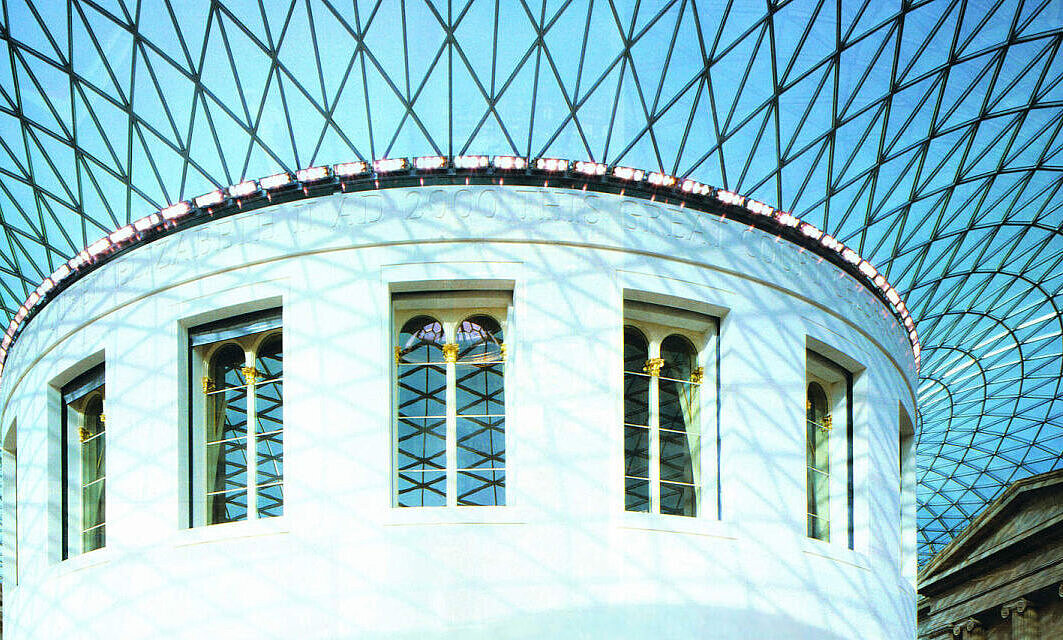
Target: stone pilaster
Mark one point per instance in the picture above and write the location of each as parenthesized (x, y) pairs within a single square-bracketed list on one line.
[(969, 629), (1024, 624)]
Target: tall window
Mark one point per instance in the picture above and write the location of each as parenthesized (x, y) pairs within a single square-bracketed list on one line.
[(237, 463), (818, 422), (10, 505), (449, 398), (828, 449), (663, 428), (84, 471)]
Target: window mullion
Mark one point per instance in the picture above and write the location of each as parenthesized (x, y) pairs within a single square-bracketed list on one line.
[(251, 441), (452, 429), (75, 487), (655, 433)]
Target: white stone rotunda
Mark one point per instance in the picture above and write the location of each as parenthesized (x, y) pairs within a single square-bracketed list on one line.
[(525, 404)]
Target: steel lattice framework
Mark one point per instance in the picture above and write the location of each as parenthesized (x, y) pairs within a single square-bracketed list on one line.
[(927, 135)]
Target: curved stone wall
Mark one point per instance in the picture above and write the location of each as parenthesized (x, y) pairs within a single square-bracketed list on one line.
[(562, 558)]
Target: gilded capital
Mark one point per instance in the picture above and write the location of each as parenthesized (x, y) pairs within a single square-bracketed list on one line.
[(250, 374), (653, 366)]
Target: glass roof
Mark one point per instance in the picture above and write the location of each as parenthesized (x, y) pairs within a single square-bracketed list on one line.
[(927, 135)]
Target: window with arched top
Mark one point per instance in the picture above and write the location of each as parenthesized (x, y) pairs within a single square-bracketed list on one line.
[(449, 398), (421, 413), (828, 450), (84, 477), (11, 510), (817, 461), (664, 429), (236, 462)]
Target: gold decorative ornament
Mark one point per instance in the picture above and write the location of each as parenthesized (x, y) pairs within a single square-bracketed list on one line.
[(450, 352), (825, 423), (697, 375), (250, 374), (83, 434), (398, 355), (653, 366), (502, 351), (208, 385)]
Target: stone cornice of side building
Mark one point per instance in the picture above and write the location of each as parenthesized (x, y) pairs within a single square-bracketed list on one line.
[(1009, 553)]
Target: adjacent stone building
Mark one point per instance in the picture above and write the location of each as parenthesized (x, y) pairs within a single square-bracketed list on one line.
[(1002, 578)]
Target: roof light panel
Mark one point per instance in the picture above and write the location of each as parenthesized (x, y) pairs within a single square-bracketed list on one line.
[(430, 163), (628, 174), (810, 231), (694, 187), (147, 222), (350, 169), (243, 189), (471, 162), (588, 168), (730, 197), (98, 248), (122, 234), (758, 208), (175, 211), (389, 165), (786, 219), (658, 179), (831, 242), (275, 181), (509, 163), (211, 199), (311, 174), (551, 165)]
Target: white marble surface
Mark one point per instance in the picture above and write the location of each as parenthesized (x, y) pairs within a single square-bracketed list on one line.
[(562, 559)]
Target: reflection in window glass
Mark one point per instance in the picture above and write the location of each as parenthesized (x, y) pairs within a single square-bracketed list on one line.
[(450, 411), (243, 430), (269, 427), (226, 438), (662, 439), (829, 492), (678, 404), (636, 422), (84, 468), (421, 430), (93, 475), (817, 434)]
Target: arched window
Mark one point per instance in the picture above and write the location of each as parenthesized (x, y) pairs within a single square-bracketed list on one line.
[(421, 416), (480, 417), (662, 411), (84, 454), (93, 474), (269, 426), (11, 510), (237, 462), (829, 492), (226, 436), (636, 421), (450, 421), (817, 450), (680, 423)]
